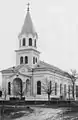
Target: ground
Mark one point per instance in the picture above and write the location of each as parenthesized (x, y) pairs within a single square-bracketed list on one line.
[(39, 113)]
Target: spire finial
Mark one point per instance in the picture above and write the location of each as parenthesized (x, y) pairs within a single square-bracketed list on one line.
[(28, 6)]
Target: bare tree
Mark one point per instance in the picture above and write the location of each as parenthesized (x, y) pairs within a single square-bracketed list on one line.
[(69, 92), (47, 88), (73, 76), (5, 94)]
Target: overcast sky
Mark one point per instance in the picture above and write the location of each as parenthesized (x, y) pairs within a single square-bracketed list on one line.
[(56, 22)]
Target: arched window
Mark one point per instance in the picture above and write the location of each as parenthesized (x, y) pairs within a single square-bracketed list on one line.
[(55, 88), (26, 59), (35, 43), (21, 60), (76, 91), (33, 60), (60, 89), (36, 60), (65, 90), (27, 85), (38, 87), (30, 41), (9, 88), (69, 91), (23, 41)]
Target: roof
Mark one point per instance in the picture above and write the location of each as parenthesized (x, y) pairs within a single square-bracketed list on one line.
[(45, 66), (16, 68), (41, 66), (28, 27)]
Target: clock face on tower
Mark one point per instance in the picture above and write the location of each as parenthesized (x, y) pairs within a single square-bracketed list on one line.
[(23, 70)]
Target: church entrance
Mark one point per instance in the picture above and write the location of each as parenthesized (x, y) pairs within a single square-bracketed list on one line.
[(17, 87)]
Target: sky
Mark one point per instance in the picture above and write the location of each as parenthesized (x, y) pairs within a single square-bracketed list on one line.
[(56, 22)]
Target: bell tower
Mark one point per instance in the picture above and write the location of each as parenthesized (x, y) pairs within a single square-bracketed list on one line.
[(27, 52)]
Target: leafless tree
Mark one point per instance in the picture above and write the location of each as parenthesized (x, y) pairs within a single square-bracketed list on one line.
[(4, 93), (74, 76), (47, 88), (69, 92)]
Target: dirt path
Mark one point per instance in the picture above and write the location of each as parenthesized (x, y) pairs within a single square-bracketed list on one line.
[(42, 114)]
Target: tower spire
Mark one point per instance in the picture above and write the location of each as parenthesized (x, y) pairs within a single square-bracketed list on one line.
[(28, 27), (28, 6)]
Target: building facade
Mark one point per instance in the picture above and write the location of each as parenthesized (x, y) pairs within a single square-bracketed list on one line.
[(31, 77)]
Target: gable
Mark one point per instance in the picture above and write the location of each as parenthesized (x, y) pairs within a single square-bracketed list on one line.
[(23, 70)]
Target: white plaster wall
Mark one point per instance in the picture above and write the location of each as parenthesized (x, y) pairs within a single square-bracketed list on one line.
[(27, 52), (30, 55), (54, 78), (27, 41), (38, 76)]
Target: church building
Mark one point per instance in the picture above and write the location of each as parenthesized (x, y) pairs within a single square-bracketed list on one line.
[(31, 78)]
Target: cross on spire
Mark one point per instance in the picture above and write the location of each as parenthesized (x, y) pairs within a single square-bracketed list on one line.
[(28, 6)]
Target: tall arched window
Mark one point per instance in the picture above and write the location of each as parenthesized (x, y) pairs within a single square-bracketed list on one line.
[(65, 90), (33, 60), (38, 87), (9, 88), (23, 41), (55, 88), (69, 91), (36, 60), (21, 60), (35, 43), (27, 86), (30, 41), (26, 59), (60, 89)]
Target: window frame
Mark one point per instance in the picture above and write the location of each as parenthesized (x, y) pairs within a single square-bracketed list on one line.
[(35, 43), (64, 90), (27, 85), (60, 88), (34, 60), (24, 42), (55, 88), (38, 87), (30, 41), (21, 60), (26, 59)]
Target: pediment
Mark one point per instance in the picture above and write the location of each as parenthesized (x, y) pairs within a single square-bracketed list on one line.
[(23, 70)]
